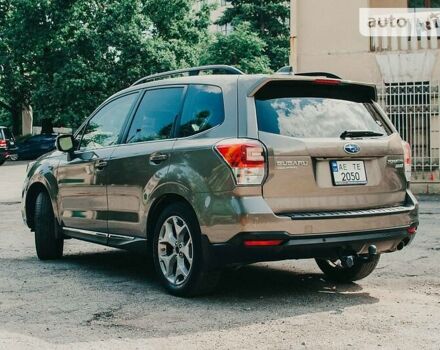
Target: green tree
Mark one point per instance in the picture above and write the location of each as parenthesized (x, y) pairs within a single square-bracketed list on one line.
[(269, 19), (15, 77), (65, 56), (242, 48)]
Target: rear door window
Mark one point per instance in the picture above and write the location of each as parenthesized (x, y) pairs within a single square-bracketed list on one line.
[(316, 116), (156, 114), (203, 109)]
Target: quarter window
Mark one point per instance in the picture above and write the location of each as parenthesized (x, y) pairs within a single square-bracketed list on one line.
[(155, 116), (203, 110), (105, 127)]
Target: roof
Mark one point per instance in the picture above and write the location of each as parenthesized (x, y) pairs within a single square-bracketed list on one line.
[(251, 82)]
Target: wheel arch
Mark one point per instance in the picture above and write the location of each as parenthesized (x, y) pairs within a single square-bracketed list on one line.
[(31, 197), (159, 204)]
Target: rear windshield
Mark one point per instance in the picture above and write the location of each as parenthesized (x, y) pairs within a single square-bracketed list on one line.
[(318, 116), (8, 134)]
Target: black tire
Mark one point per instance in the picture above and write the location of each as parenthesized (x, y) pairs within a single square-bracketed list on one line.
[(359, 270), (47, 244), (2, 161), (198, 281)]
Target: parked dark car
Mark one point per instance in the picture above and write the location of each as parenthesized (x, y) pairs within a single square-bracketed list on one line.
[(7, 144), (35, 146)]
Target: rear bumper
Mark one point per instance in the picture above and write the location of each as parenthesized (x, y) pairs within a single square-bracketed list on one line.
[(229, 215), (7, 152), (327, 246)]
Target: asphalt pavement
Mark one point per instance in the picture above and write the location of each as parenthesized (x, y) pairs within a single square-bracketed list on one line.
[(103, 298)]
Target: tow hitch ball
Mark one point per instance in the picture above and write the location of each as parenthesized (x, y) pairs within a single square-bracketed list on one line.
[(349, 260)]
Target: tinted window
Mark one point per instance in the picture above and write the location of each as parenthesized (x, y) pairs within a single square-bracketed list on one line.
[(34, 139), (155, 116), (105, 127), (306, 117), (203, 109), (8, 134)]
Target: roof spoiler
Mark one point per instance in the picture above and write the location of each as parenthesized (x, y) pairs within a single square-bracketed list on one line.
[(289, 70), (272, 87)]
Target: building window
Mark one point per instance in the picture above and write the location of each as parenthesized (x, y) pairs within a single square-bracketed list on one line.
[(224, 29), (414, 110), (424, 3), (435, 22)]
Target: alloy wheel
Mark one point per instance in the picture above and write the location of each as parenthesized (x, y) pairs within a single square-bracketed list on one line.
[(175, 250)]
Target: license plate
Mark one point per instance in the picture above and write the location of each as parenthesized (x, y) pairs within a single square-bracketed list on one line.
[(348, 172)]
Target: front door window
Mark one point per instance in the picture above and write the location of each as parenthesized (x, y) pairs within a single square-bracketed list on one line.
[(105, 128)]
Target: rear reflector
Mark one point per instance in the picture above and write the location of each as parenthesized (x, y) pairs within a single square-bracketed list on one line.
[(411, 230), (266, 243), (246, 159)]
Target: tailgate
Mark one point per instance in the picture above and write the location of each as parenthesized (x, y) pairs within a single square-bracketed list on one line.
[(310, 166)]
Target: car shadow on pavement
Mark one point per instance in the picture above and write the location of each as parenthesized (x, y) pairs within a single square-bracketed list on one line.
[(248, 282), (251, 294), (109, 293)]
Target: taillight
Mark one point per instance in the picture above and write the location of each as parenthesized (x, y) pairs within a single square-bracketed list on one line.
[(407, 160), (3, 143), (411, 230), (246, 159)]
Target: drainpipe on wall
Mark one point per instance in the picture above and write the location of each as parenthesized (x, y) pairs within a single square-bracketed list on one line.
[(27, 119), (293, 57)]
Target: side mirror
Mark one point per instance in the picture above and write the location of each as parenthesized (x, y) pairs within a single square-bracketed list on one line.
[(65, 143)]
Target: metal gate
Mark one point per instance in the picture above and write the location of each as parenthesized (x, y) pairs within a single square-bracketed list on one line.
[(414, 109)]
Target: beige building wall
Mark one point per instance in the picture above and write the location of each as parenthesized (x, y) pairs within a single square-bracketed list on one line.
[(388, 3), (216, 13), (328, 39)]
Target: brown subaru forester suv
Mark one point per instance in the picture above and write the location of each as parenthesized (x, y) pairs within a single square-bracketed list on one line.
[(208, 167)]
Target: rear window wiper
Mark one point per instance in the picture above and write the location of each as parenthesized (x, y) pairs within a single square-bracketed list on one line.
[(359, 133)]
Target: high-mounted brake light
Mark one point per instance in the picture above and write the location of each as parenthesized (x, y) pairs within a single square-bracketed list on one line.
[(407, 159), (246, 159), (266, 243), (327, 81)]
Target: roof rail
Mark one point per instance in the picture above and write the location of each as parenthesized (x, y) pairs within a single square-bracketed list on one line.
[(285, 70), (220, 68)]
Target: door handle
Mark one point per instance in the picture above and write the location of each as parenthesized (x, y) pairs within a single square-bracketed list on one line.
[(100, 164), (158, 157)]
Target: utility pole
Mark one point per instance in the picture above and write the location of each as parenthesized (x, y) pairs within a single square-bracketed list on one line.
[(293, 57)]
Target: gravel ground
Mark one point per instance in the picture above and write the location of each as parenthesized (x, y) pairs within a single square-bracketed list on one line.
[(102, 298)]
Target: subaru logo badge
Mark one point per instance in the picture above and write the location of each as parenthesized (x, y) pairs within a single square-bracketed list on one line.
[(351, 148)]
